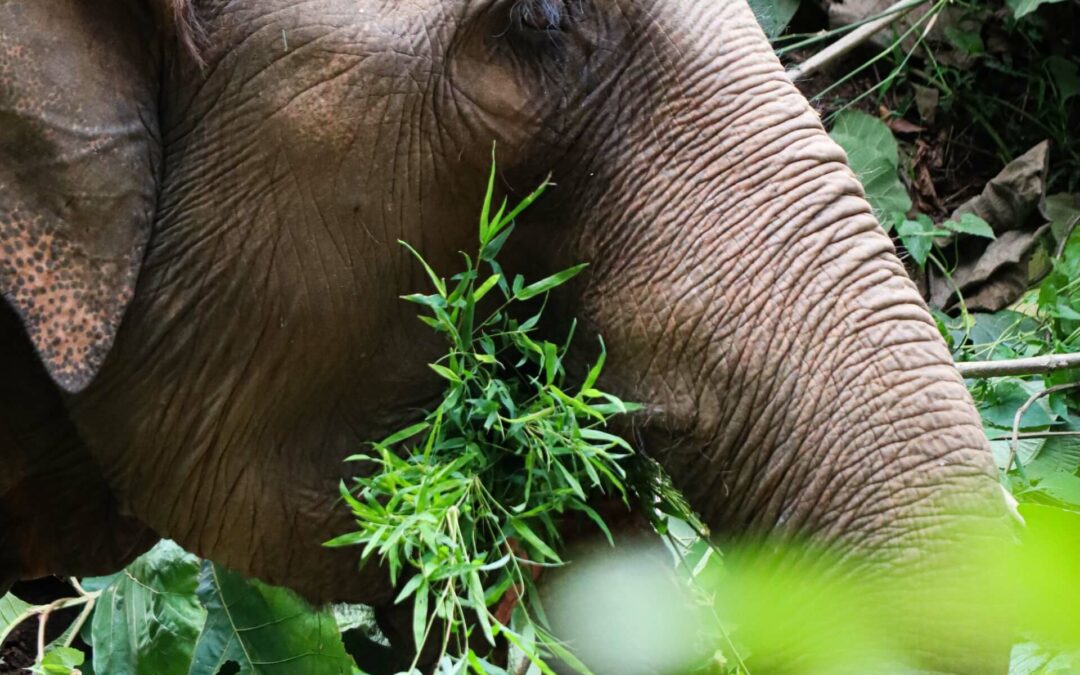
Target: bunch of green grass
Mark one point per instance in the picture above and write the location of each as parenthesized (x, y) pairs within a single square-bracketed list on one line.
[(467, 503)]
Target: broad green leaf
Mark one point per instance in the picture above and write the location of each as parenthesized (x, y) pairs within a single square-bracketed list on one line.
[(1022, 8), (774, 15), (996, 335), (970, 223), (1060, 454), (1066, 76), (545, 285), (147, 620), (1008, 395), (263, 629), (12, 611), (874, 157), (91, 584), (1064, 487), (60, 661), (1063, 209), (1026, 450)]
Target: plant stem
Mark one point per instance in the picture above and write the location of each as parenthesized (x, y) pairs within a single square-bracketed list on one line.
[(43, 619), (1039, 365)]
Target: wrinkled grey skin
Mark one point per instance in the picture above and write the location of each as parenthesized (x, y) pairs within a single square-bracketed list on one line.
[(795, 380)]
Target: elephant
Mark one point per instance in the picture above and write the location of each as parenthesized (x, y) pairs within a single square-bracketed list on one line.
[(200, 203)]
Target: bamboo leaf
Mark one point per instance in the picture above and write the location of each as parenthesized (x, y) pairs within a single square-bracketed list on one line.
[(536, 542), (548, 283)]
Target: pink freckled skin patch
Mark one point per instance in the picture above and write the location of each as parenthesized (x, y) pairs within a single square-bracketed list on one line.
[(78, 166), (68, 315)]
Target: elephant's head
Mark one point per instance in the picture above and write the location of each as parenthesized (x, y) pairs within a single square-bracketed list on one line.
[(199, 209)]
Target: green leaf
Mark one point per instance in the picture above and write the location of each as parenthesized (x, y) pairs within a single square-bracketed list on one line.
[(265, 630), (445, 372), (1057, 455), (12, 612), (996, 335), (1063, 209), (146, 622), (489, 195), (536, 542), (551, 362), (1006, 397), (486, 286), (1022, 8), (408, 432), (60, 661), (524, 204), (874, 157), (774, 15), (546, 284), (970, 223), (439, 284), (409, 588), (1026, 450), (420, 617), (1065, 74), (1063, 487), (91, 584), (966, 41), (476, 595), (594, 372), (918, 237)]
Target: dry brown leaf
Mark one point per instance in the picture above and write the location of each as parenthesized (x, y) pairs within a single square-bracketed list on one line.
[(994, 274), (899, 125)]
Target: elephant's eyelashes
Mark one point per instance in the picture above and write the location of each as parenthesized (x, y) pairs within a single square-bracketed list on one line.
[(543, 15)]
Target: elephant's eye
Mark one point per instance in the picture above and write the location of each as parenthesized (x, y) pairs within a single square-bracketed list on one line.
[(542, 15)]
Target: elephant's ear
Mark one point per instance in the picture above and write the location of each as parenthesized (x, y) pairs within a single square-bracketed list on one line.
[(79, 155)]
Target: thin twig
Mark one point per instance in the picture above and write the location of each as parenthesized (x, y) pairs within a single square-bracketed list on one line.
[(1039, 365), (1034, 435), (1014, 443), (853, 39)]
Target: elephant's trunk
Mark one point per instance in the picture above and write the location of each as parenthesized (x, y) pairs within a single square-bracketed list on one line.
[(798, 382)]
